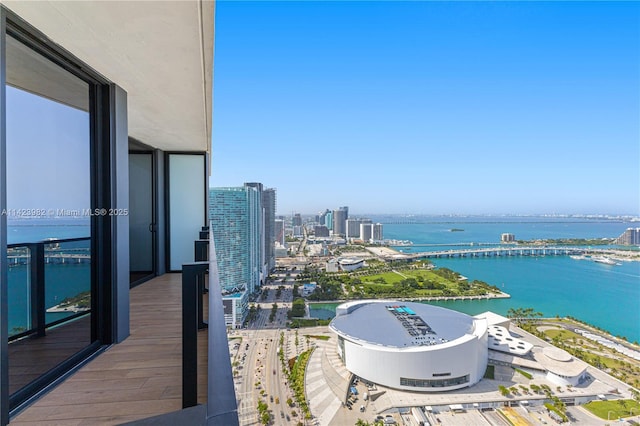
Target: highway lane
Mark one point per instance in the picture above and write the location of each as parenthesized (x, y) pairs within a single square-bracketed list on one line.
[(245, 394), (261, 363)]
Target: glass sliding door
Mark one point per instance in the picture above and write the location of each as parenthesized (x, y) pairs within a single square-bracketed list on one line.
[(51, 289), (187, 193), (142, 253)]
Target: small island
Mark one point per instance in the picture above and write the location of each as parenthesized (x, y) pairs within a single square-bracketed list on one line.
[(78, 303)]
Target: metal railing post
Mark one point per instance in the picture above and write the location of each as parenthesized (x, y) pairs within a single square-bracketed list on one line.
[(201, 250), (36, 282), (192, 280)]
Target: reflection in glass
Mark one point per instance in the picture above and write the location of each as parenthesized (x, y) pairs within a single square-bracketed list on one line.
[(48, 199), (19, 260), (67, 280)]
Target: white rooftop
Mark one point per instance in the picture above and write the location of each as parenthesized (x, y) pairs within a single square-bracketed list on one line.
[(559, 362), (493, 318), (500, 339), (401, 324)]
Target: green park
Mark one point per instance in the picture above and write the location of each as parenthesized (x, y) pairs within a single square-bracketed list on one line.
[(403, 280)]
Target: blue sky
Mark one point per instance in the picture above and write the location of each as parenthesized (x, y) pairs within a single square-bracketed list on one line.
[(430, 107)]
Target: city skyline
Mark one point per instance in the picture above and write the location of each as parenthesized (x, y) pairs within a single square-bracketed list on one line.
[(430, 107)]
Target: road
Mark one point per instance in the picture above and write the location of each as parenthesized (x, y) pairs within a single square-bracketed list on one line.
[(260, 373)]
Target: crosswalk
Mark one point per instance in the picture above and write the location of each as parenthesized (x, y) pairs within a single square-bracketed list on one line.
[(247, 413)]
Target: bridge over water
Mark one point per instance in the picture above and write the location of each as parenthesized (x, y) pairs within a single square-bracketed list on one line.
[(50, 258), (506, 252)]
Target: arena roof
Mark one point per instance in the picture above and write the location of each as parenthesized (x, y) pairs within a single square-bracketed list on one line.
[(401, 324)]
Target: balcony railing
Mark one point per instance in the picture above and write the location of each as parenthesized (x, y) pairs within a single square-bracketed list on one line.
[(49, 284), (50, 308)]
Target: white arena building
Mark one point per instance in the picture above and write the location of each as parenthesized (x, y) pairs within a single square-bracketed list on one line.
[(411, 346)]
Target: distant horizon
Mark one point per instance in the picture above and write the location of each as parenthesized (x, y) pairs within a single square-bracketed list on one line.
[(74, 221), (612, 216)]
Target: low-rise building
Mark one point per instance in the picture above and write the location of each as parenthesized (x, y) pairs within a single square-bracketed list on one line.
[(350, 263), (308, 288), (235, 308)]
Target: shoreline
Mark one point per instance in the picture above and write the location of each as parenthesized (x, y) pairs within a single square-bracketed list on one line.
[(501, 295)]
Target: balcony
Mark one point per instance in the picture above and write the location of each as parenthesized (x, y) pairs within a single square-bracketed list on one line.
[(136, 379)]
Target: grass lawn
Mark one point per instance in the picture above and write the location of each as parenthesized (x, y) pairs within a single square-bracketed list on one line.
[(618, 408), (318, 337), (563, 335), (388, 277), (391, 278), (368, 286), (306, 322)]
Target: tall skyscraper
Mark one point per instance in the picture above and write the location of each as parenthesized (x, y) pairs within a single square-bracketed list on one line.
[(376, 232), (345, 209), (630, 237), (328, 220), (279, 231), (321, 217), (340, 217), (353, 226), (237, 221), (366, 231), (297, 219), (269, 205)]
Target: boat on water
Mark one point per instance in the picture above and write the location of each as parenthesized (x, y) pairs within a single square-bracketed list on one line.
[(578, 257), (605, 260)]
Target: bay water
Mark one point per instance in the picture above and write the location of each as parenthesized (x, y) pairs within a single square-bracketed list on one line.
[(61, 280), (607, 296)]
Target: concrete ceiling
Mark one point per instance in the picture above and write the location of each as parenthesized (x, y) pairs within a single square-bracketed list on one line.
[(159, 52)]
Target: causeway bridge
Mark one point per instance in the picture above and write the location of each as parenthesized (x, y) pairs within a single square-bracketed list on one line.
[(50, 258), (505, 252)]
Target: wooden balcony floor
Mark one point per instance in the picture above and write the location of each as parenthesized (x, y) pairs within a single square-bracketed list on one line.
[(32, 357), (138, 378)]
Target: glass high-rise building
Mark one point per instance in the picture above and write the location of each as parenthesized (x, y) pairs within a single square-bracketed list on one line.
[(328, 220), (237, 222), (269, 206), (279, 231)]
